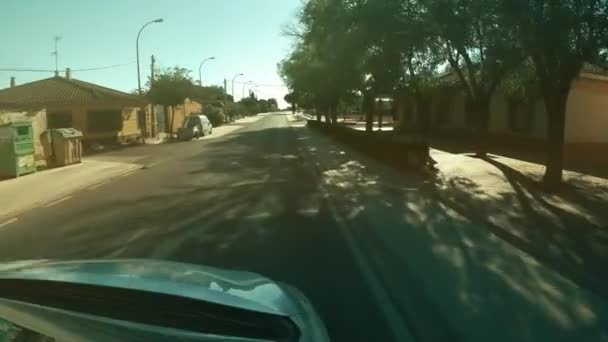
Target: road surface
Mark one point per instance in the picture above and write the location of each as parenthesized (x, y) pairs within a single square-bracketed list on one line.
[(380, 254), (243, 201)]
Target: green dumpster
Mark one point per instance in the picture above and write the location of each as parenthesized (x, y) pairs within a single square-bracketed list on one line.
[(17, 155)]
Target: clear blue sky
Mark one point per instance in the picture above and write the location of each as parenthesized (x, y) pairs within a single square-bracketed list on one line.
[(244, 35)]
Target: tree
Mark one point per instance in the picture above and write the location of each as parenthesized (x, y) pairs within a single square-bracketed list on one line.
[(480, 47), (171, 86), (559, 37), (291, 99), (273, 105), (215, 115), (324, 65), (404, 54), (208, 94)]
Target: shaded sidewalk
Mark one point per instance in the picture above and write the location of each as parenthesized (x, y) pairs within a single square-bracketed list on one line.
[(567, 229)]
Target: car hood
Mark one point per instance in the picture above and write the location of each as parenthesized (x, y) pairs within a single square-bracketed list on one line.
[(239, 289)]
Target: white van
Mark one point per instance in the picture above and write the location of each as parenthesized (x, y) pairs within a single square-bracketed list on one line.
[(195, 126)]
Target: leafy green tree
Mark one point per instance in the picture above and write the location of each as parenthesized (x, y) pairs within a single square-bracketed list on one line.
[(273, 106), (559, 37), (215, 115), (170, 87), (324, 65), (480, 47), (292, 100)]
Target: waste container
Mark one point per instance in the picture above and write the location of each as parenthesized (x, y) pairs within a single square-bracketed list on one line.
[(62, 146), (17, 154)]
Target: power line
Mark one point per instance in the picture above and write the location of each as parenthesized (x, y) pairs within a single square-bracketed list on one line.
[(105, 67), (50, 70), (26, 70), (261, 84)]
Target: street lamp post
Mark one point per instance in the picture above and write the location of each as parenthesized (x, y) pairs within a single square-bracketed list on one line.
[(254, 90), (234, 78), (160, 20), (243, 91), (200, 80)]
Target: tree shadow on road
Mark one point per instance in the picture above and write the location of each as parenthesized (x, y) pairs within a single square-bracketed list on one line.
[(246, 202), (444, 249), (560, 229)]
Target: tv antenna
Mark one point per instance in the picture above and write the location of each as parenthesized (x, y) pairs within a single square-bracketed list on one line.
[(56, 54)]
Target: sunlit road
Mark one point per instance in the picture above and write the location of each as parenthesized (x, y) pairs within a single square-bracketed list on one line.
[(248, 200)]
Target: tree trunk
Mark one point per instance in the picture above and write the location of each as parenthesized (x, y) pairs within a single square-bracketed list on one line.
[(326, 115), (334, 114), (423, 113), (171, 124), (481, 108), (380, 110), (318, 113), (556, 110), (368, 109)]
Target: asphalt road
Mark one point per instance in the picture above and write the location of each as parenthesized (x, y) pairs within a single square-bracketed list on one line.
[(247, 201)]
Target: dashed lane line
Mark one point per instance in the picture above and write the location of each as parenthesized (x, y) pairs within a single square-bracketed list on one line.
[(6, 223), (57, 201)]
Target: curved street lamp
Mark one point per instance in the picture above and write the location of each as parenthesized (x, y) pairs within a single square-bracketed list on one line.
[(200, 80), (254, 90), (159, 20), (243, 91), (234, 78)]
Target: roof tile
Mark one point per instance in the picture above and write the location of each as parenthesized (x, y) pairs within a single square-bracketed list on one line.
[(62, 91)]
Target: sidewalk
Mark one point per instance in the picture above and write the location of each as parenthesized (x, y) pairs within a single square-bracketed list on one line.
[(445, 268), (354, 124), (152, 153), (27, 192)]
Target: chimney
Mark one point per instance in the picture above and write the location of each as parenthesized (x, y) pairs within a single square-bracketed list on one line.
[(12, 82), (56, 73), (68, 73)]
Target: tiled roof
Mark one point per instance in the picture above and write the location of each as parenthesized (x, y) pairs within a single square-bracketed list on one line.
[(62, 91)]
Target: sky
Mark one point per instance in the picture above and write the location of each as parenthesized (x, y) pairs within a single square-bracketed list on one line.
[(244, 36)]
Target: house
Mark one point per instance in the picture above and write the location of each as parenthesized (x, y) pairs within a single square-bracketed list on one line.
[(102, 114), (178, 114), (586, 131)]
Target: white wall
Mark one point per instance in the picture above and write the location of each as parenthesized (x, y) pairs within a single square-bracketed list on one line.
[(587, 114)]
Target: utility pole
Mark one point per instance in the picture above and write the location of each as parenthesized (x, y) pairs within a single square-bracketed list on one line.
[(225, 85), (152, 61), (152, 114), (225, 108)]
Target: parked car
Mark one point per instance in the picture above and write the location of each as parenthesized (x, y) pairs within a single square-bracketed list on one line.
[(195, 126)]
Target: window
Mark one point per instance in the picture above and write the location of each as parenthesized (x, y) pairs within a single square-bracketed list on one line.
[(59, 119), (106, 120), (23, 130)]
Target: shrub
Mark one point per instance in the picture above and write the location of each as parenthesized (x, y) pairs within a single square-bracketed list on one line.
[(215, 115)]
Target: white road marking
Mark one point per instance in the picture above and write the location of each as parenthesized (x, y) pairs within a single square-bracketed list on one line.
[(128, 173), (99, 184), (57, 201), (5, 223), (391, 315)]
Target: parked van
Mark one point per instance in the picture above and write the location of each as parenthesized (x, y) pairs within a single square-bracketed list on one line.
[(195, 126)]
